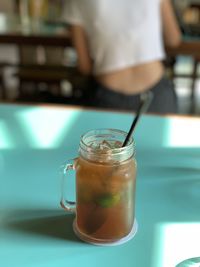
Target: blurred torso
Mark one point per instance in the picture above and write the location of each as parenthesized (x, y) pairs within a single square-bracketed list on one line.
[(133, 80)]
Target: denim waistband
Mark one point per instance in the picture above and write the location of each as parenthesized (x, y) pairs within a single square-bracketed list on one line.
[(109, 92)]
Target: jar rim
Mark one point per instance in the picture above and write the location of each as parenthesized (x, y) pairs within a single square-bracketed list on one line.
[(106, 132)]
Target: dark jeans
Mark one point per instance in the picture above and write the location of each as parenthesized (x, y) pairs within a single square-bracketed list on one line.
[(164, 100)]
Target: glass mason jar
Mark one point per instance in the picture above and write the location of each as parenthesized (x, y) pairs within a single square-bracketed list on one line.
[(192, 262), (105, 188)]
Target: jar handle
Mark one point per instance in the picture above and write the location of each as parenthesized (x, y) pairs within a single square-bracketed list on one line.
[(64, 202)]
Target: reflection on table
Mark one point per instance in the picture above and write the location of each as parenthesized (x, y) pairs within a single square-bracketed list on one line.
[(36, 140)]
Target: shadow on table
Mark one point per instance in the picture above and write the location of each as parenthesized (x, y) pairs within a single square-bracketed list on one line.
[(51, 225)]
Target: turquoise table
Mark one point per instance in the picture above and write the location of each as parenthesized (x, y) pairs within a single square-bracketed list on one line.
[(35, 231)]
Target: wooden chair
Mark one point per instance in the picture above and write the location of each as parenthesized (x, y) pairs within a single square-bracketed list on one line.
[(41, 74), (52, 77), (40, 64), (2, 84), (188, 15), (7, 7)]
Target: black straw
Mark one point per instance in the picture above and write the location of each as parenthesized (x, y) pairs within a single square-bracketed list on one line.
[(144, 105)]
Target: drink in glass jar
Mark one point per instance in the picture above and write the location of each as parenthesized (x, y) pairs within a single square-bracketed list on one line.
[(105, 188)]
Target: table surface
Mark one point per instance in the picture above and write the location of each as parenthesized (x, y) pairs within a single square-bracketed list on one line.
[(35, 231)]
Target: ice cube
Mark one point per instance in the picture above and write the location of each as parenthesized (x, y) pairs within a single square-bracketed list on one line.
[(117, 144), (105, 145)]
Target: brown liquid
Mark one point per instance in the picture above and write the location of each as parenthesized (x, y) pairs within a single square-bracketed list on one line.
[(105, 198)]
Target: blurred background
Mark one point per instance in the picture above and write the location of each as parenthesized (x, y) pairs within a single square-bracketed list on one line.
[(38, 62)]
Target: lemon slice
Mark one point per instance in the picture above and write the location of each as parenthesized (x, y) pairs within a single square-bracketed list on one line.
[(108, 200)]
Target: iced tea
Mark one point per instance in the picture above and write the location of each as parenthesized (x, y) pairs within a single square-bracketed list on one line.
[(105, 188), (105, 198)]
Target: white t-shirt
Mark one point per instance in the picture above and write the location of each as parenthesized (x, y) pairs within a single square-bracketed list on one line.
[(121, 33)]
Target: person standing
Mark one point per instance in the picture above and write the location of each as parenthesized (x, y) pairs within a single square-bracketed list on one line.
[(121, 45)]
